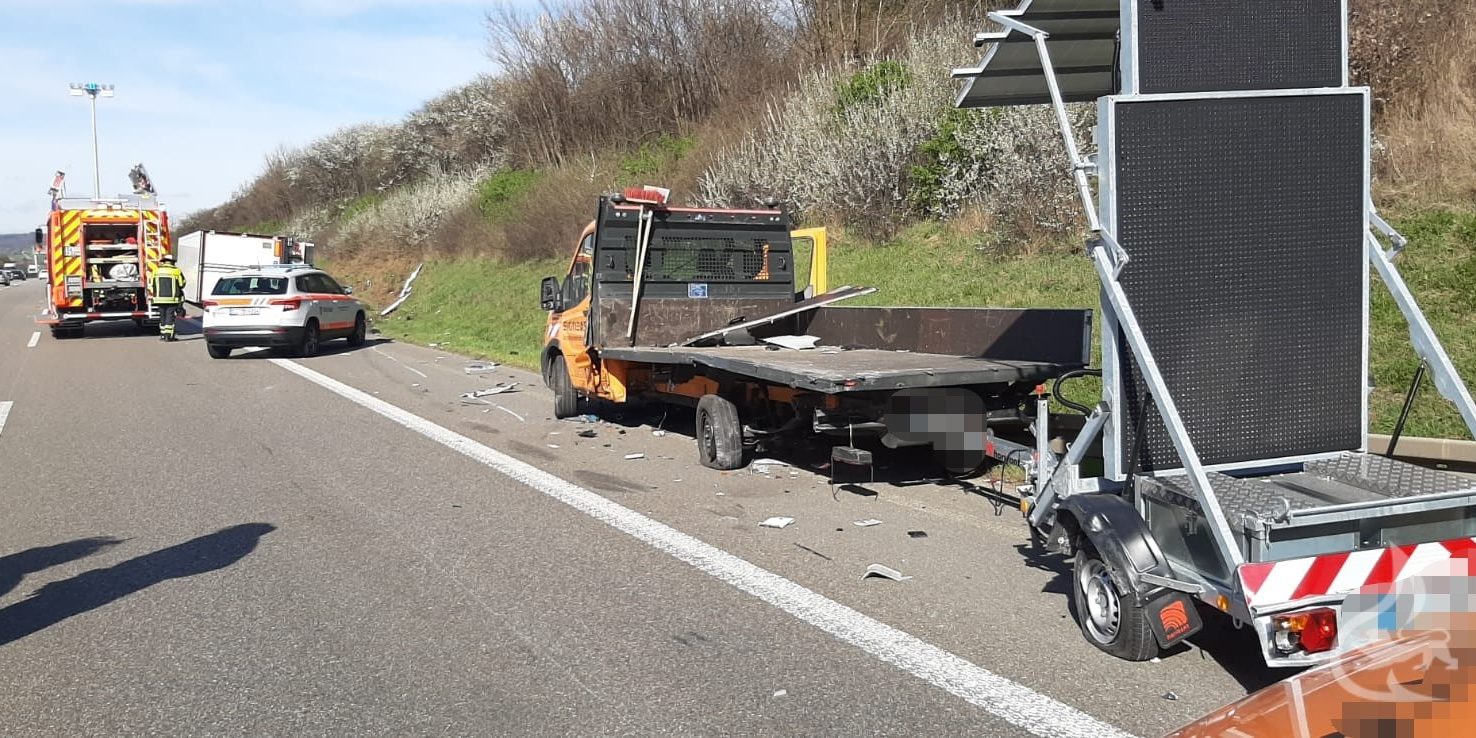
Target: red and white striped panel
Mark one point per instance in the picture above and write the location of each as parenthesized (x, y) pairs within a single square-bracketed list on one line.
[(1280, 582)]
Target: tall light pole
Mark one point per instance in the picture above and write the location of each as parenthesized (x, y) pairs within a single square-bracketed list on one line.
[(93, 90)]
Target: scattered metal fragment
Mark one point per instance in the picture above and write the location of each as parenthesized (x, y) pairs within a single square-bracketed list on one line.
[(867, 523), (917, 534), (404, 293), (553, 445), (878, 570), (1170, 696), (813, 551), (509, 412), (481, 368), (632, 457), (658, 433), (496, 389), (780, 692), (587, 433), (797, 343), (776, 522)]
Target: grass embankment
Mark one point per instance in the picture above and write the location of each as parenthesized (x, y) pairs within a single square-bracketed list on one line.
[(490, 309)]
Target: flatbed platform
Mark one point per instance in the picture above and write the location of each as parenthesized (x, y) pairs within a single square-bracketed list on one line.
[(832, 370)]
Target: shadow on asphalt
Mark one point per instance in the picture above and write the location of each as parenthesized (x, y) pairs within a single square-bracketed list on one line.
[(88, 591), (16, 566)]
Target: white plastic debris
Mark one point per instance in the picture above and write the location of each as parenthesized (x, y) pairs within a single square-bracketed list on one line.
[(793, 342), (497, 389), (867, 523), (553, 445), (776, 522), (658, 433), (481, 368), (780, 692), (404, 293), (878, 570), (632, 457)]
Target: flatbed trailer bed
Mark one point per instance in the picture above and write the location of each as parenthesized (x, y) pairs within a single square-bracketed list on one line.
[(831, 370)]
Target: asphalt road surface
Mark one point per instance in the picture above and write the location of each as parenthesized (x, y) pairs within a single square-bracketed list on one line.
[(340, 546)]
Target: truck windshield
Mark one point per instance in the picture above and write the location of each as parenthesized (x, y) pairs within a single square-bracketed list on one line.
[(250, 286)]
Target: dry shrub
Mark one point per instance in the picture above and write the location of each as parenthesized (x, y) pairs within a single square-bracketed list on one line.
[(556, 209), (612, 73), (1428, 126)]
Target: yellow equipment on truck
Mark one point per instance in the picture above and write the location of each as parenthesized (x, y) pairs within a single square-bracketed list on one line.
[(100, 255)]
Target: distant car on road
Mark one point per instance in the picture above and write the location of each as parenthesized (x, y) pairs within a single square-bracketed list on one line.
[(291, 307), (15, 273), (4, 278), (32, 271)]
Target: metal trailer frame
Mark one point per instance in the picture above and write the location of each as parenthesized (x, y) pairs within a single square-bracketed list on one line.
[(1056, 478)]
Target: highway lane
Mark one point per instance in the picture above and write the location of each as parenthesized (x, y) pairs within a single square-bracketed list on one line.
[(309, 566)]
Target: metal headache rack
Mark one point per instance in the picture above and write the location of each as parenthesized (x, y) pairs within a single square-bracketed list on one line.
[(1233, 231)]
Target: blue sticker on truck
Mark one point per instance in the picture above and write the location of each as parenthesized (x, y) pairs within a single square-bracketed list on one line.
[(697, 291)]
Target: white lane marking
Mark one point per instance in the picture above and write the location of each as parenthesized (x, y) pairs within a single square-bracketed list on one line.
[(1006, 699), (5, 413), (35, 338), (376, 350)]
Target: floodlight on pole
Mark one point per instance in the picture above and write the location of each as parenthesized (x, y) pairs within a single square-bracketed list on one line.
[(93, 91)]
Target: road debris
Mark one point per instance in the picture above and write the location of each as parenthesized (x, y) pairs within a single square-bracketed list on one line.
[(404, 293), (496, 389), (659, 433), (776, 522), (879, 570), (813, 551), (917, 534), (780, 692), (509, 412), (481, 368), (553, 445), (763, 466), (587, 433), (867, 523), (633, 457), (1171, 697)]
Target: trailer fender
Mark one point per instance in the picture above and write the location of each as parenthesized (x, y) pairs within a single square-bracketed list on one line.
[(1120, 535)]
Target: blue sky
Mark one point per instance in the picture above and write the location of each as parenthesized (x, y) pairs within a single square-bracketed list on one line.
[(206, 89)]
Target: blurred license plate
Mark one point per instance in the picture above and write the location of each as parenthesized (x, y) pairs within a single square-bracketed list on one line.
[(243, 311)]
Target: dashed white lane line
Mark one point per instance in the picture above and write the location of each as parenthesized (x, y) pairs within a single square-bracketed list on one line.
[(35, 338), (5, 413), (401, 363), (1006, 699)]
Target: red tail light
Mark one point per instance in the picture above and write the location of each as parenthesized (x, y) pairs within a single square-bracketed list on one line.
[(1312, 631), (288, 303)]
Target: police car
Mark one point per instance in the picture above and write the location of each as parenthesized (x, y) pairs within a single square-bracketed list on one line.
[(292, 307)]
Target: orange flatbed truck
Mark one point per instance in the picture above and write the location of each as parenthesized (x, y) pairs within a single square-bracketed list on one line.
[(100, 255), (680, 305)]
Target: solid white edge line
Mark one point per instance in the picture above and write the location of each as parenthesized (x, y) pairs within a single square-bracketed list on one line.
[(1006, 699), (35, 338), (5, 413)]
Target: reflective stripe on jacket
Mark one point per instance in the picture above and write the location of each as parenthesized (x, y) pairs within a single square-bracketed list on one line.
[(167, 285)]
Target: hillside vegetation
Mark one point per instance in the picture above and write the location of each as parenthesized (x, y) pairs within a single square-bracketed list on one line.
[(843, 112)]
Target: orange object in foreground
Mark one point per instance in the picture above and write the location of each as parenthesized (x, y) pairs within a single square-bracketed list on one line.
[(1421, 685)]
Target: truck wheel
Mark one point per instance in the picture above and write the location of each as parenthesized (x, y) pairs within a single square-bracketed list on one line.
[(566, 399), (218, 352), (719, 434), (1109, 621), (308, 346), (361, 330)]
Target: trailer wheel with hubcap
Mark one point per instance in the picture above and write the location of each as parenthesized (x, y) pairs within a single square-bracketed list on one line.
[(1109, 621), (719, 434), (566, 398)]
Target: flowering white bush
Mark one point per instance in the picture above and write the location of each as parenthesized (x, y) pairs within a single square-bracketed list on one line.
[(411, 213)]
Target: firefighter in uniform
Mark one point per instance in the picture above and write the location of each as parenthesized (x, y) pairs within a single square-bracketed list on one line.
[(167, 285)]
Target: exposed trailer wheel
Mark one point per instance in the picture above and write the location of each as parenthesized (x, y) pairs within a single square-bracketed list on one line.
[(566, 399), (1109, 621), (361, 331), (719, 434), (218, 352)]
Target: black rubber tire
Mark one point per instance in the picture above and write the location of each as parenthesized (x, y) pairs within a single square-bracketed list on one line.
[(957, 466), (218, 352), (311, 340), (566, 398), (1131, 637), (361, 331), (719, 434)]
